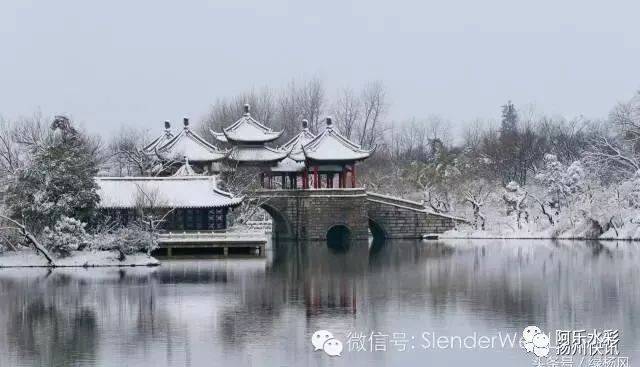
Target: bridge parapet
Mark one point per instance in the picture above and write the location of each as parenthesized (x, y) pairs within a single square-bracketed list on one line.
[(401, 218), (392, 200), (309, 214)]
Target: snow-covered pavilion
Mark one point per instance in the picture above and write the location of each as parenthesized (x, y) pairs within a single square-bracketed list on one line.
[(293, 166), (187, 144), (166, 135), (189, 202), (248, 138), (332, 154), (313, 159)]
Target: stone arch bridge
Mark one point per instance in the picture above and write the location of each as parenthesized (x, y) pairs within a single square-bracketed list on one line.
[(310, 214)]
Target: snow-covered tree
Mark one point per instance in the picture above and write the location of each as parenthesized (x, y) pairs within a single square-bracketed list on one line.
[(515, 200), (476, 193), (66, 236), (58, 181), (125, 241), (560, 183)]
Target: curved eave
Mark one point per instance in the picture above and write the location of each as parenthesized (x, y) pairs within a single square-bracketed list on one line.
[(237, 138), (357, 156), (259, 154), (219, 136), (166, 149), (159, 141), (336, 160), (244, 160), (288, 165), (178, 158)]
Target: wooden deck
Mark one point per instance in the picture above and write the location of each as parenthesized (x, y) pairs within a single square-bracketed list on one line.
[(174, 243)]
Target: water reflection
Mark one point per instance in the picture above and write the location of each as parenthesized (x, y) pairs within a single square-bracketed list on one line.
[(262, 311)]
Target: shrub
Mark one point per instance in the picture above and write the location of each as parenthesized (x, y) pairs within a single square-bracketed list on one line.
[(67, 235), (126, 241)]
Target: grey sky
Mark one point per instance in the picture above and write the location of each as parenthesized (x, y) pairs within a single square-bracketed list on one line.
[(141, 62)]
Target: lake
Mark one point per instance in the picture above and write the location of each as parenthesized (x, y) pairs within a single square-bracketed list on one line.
[(387, 306)]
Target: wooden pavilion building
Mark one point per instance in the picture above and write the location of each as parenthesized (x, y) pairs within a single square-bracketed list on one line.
[(248, 138), (332, 155), (174, 149), (327, 160), (291, 169), (190, 203)]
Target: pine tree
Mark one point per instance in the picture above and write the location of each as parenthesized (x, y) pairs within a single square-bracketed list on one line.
[(509, 119), (59, 181)]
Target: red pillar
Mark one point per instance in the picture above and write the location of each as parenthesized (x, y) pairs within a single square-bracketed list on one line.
[(353, 175), (316, 179), (262, 179)]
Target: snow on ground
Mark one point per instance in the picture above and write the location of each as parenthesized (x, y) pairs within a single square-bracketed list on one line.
[(28, 258), (630, 232)]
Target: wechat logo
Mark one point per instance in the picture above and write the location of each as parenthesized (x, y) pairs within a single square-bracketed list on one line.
[(324, 340), (534, 340)]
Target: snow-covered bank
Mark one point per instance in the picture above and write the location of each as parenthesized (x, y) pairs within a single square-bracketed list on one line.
[(28, 258), (627, 232)]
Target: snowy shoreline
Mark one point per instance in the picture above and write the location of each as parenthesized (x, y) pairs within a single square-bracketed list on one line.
[(537, 238), (607, 236), (79, 259)]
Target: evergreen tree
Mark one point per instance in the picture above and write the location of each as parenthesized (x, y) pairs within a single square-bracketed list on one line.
[(509, 119), (58, 181)]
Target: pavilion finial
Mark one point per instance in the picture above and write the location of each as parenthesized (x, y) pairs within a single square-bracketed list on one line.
[(167, 125), (185, 121), (329, 121), (305, 123), (247, 109)]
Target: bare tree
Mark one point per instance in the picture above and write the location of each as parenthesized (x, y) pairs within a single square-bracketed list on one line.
[(347, 111), (311, 99), (14, 225), (476, 195), (152, 211), (374, 106), (126, 155)]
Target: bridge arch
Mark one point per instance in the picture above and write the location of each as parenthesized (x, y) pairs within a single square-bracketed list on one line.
[(281, 225), (339, 237), (377, 231)]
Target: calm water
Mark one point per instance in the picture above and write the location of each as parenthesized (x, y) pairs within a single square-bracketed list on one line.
[(263, 311)]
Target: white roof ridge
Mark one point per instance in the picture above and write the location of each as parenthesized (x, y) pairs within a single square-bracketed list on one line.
[(153, 178)]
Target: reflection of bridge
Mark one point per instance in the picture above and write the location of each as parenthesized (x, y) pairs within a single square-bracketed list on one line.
[(311, 214)]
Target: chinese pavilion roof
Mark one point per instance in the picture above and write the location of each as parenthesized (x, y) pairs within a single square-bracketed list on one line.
[(247, 130), (185, 170), (189, 145), (167, 192), (257, 154), (160, 140), (288, 165), (297, 142), (332, 146), (294, 162)]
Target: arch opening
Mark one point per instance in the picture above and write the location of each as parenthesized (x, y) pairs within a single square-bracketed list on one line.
[(339, 238), (280, 225), (376, 230)]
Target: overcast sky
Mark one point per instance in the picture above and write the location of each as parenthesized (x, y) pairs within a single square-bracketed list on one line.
[(140, 62)]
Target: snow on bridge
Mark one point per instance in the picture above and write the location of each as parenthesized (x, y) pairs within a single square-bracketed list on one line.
[(310, 214)]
